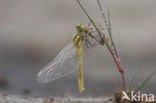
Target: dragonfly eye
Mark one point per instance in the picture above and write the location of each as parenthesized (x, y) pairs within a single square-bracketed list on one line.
[(80, 28)]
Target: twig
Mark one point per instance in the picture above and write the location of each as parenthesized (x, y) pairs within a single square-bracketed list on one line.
[(108, 26), (116, 59)]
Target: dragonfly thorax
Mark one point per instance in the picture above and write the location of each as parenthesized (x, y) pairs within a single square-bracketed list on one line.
[(78, 40), (80, 28), (88, 35)]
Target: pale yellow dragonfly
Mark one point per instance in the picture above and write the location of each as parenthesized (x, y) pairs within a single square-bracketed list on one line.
[(70, 58)]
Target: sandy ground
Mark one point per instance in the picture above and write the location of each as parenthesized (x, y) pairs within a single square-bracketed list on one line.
[(21, 99)]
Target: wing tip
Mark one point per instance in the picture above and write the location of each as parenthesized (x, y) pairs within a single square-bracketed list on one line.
[(40, 78)]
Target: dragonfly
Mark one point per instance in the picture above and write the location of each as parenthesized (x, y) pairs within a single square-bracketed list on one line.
[(70, 57)]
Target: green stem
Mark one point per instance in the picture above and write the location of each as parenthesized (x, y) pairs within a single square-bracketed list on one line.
[(105, 20), (107, 26), (90, 19), (109, 21), (132, 78), (145, 82)]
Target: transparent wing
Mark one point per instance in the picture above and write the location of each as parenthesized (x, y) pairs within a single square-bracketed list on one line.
[(64, 64)]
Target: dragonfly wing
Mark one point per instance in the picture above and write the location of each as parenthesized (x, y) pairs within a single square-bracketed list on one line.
[(64, 64)]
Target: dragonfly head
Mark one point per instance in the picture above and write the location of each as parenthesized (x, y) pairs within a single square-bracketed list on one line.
[(80, 28)]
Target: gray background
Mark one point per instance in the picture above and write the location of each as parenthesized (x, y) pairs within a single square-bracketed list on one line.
[(32, 32)]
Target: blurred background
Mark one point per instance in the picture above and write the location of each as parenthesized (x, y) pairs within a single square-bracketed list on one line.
[(32, 32)]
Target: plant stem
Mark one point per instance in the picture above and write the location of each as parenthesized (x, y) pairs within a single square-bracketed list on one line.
[(145, 82), (90, 19), (108, 26), (120, 68), (134, 74), (114, 55)]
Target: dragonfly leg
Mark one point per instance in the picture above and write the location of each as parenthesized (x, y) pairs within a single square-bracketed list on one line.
[(91, 45), (89, 24), (88, 44)]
